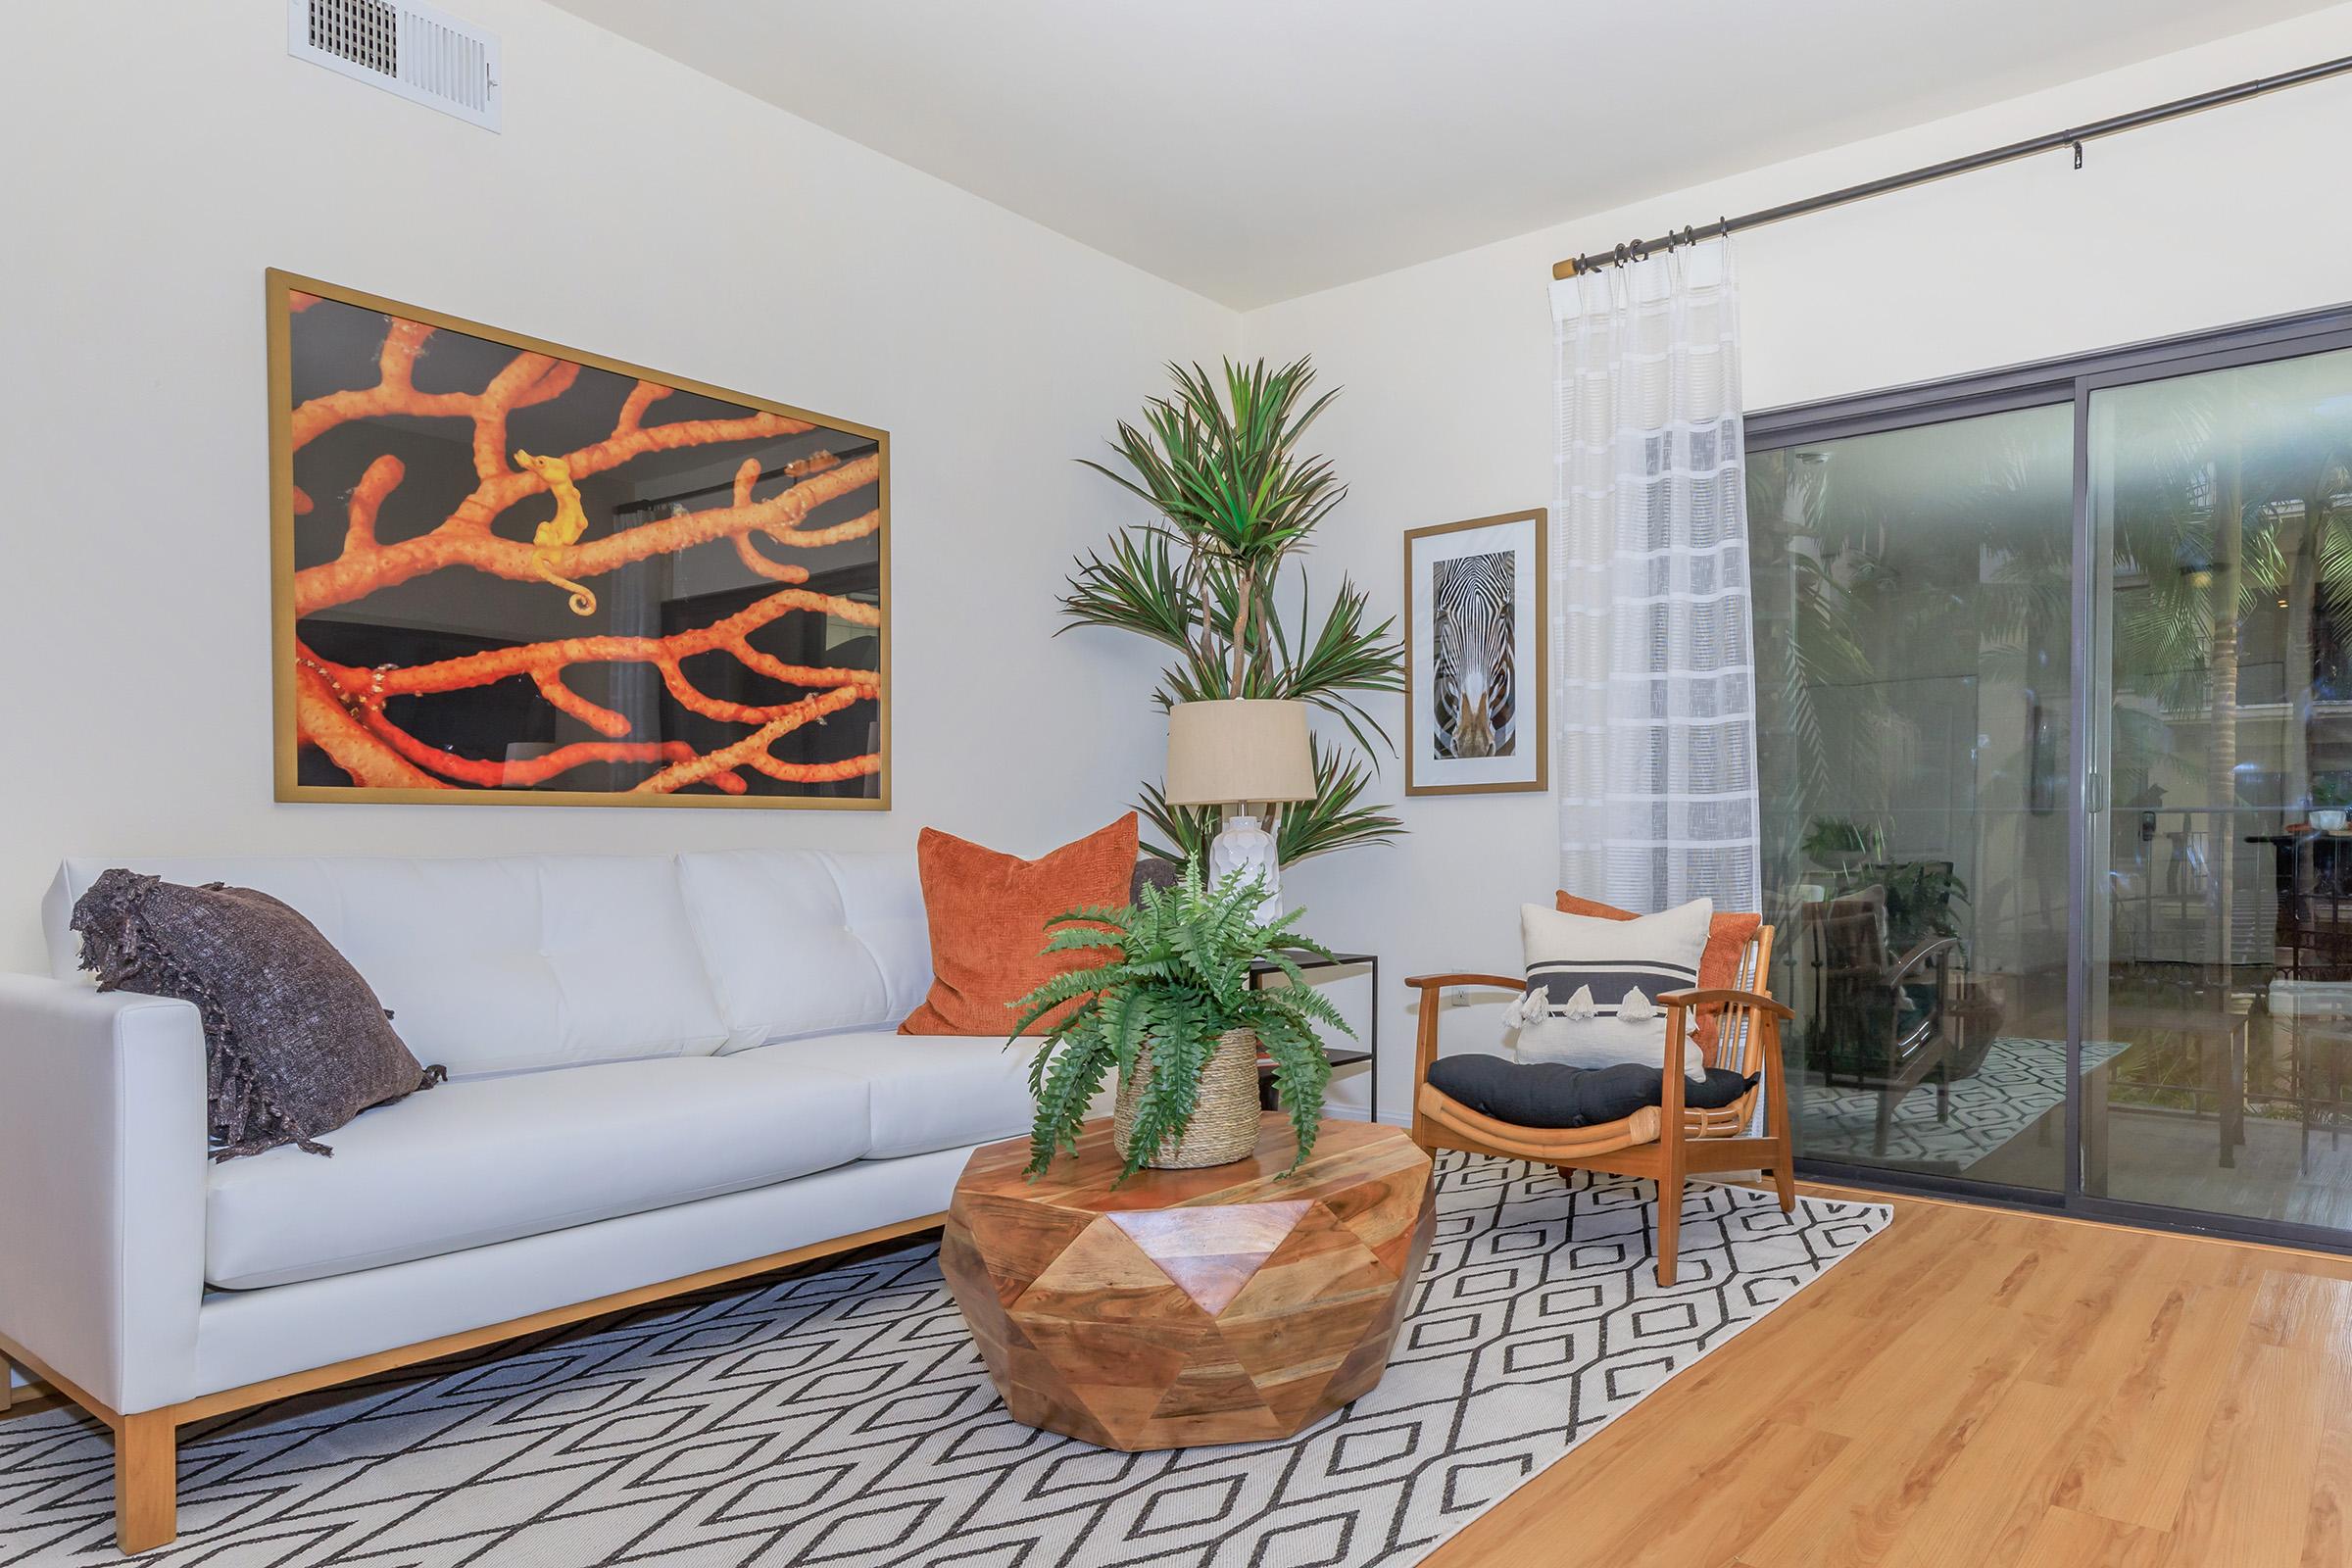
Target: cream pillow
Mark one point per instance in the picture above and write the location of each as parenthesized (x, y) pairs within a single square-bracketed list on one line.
[(1593, 986)]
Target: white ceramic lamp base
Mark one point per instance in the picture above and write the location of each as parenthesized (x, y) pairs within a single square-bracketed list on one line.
[(1242, 849)]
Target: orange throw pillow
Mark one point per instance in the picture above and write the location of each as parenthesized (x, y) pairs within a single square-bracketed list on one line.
[(1728, 934), (988, 913)]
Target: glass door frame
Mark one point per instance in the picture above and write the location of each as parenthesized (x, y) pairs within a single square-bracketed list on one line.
[(2065, 382)]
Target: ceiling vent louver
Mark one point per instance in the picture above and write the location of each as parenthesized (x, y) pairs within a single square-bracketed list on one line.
[(425, 54)]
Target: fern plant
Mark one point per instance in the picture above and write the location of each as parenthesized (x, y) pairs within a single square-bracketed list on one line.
[(1174, 976), (1233, 499)]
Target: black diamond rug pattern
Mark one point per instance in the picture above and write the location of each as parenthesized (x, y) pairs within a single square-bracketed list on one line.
[(840, 1417)]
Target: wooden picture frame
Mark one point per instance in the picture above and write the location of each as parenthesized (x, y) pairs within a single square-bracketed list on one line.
[(1482, 565), (505, 572)]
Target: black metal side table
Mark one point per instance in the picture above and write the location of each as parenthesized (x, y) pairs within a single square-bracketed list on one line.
[(1340, 1056)]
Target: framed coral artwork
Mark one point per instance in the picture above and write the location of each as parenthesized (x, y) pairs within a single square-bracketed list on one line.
[(507, 570)]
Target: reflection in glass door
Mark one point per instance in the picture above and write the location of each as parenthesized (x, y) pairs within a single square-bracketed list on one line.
[(1914, 624), (2216, 1033)]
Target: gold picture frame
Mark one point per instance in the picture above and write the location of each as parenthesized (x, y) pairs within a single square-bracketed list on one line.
[(1496, 561), (571, 606)]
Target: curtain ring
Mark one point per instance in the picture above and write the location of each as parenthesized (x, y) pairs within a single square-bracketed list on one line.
[(2078, 146)]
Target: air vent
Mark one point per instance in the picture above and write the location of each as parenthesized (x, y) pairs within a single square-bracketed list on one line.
[(425, 54)]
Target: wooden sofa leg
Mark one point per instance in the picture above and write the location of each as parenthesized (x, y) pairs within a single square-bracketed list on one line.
[(146, 1480)]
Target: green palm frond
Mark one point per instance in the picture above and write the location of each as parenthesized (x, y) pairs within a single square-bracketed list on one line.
[(1223, 468), (1233, 499), (1337, 817), (1140, 586)]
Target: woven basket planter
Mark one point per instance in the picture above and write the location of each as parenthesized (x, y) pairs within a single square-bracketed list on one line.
[(1225, 1116)]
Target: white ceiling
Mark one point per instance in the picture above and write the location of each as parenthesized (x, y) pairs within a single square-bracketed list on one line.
[(1254, 150)]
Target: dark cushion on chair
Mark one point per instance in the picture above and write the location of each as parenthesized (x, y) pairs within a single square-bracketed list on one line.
[(1552, 1094)]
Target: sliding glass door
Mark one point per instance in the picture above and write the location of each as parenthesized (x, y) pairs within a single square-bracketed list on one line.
[(2055, 692), (2219, 1019), (1914, 627)]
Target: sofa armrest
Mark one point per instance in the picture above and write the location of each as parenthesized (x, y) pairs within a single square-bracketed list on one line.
[(101, 1187)]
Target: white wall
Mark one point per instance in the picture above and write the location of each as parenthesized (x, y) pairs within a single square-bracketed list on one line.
[(1448, 369), (631, 206)]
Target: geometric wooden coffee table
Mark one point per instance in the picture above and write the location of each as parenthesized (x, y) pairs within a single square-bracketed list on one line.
[(1231, 1304)]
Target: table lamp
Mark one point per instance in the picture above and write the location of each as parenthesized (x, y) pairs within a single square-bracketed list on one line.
[(1233, 753)]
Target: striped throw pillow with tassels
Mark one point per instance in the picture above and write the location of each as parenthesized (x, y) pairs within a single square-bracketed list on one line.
[(1593, 986)]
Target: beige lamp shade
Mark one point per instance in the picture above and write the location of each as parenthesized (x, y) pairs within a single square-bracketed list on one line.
[(1222, 754)]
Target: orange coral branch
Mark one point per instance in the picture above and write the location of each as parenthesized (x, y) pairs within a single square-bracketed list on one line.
[(775, 571), (382, 477), (641, 397), (807, 710), (530, 379), (816, 772), (461, 541), (603, 720), (730, 635), (322, 718), (522, 772), (839, 533), (747, 473), (374, 751), (396, 392)]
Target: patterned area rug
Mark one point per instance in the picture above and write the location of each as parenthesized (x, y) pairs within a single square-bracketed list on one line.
[(2020, 1082), (842, 1417)]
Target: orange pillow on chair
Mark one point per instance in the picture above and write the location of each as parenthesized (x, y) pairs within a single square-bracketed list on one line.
[(1728, 935), (988, 912)]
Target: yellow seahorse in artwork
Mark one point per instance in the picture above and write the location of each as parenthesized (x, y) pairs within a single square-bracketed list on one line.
[(560, 531)]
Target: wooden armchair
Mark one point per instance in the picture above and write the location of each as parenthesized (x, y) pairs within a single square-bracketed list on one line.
[(1666, 1141)]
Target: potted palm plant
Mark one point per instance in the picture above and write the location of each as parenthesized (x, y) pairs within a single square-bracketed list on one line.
[(1171, 1010), (1234, 499)]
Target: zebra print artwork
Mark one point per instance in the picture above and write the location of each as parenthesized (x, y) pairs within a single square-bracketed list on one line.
[(1472, 691), (1474, 628)]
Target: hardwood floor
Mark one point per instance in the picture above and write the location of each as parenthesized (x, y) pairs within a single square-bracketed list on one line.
[(1976, 1387), (1983, 1388)]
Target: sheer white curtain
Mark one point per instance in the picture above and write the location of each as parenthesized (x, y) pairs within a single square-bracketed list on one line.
[(1653, 648)]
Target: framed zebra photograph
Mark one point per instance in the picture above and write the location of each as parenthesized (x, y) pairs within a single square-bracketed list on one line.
[(1474, 635)]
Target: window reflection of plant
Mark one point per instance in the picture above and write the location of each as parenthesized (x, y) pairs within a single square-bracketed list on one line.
[(2231, 496), (1822, 695)]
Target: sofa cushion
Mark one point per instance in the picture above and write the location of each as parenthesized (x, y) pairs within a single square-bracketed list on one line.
[(928, 1092), (987, 911), (295, 1043), (495, 1159), (488, 965), (799, 942)]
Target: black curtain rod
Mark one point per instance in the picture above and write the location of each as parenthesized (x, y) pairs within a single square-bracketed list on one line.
[(2053, 142)]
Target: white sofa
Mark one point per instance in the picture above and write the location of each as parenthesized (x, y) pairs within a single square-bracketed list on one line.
[(659, 1066)]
